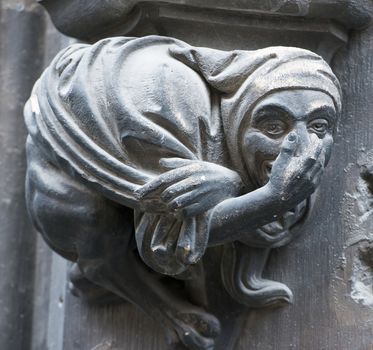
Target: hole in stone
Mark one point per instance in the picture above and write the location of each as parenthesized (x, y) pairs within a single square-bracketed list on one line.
[(362, 276), (366, 254), (367, 176)]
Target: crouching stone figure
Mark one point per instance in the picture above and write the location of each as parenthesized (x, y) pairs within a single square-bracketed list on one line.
[(144, 153)]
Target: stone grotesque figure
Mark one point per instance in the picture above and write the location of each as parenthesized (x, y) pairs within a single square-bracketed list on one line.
[(145, 153)]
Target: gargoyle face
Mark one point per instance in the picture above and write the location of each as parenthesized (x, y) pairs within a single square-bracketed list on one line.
[(275, 116)]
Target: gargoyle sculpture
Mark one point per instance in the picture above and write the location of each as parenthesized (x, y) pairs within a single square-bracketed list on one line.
[(143, 153)]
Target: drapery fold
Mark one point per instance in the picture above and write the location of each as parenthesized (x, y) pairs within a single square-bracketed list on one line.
[(108, 113)]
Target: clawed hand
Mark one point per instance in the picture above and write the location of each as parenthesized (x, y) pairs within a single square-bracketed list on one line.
[(189, 188), (295, 178)]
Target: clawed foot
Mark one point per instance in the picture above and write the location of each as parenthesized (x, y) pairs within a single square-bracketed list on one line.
[(195, 329)]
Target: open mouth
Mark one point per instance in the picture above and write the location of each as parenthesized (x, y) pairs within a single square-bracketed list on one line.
[(266, 170), (292, 216), (289, 219)]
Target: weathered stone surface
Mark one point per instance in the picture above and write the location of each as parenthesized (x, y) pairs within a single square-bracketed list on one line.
[(21, 42), (318, 266), (181, 156)]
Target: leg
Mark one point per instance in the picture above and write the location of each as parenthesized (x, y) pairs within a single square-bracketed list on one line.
[(82, 287), (242, 269), (122, 272), (85, 227)]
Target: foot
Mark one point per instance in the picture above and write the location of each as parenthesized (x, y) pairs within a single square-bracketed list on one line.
[(195, 330)]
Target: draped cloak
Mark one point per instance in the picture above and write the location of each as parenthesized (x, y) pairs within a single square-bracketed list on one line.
[(107, 113)]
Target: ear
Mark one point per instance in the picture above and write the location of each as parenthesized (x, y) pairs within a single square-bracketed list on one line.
[(223, 70)]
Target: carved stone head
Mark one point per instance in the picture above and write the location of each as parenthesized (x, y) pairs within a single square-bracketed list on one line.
[(275, 116), (267, 94)]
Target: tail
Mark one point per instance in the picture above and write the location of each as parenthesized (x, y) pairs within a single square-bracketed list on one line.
[(241, 271)]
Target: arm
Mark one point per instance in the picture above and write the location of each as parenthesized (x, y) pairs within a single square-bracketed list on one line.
[(189, 188), (193, 187), (235, 217)]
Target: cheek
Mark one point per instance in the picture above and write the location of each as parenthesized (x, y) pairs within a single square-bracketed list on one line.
[(258, 146), (328, 146)]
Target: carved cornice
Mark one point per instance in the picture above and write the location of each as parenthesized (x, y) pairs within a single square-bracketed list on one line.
[(93, 19)]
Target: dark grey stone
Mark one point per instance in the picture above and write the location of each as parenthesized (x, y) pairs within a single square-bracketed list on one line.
[(153, 151), (21, 42), (328, 268), (87, 19)]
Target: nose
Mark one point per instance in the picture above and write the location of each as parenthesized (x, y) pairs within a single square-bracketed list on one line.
[(303, 137)]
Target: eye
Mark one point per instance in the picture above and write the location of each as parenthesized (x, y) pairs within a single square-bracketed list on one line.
[(319, 126), (274, 127)]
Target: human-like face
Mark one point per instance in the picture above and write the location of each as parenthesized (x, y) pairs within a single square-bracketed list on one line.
[(275, 116)]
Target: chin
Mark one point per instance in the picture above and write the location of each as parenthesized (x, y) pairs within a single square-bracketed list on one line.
[(292, 217)]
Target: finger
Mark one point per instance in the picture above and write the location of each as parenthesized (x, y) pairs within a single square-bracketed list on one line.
[(164, 235), (203, 204), (316, 179), (308, 163), (163, 181), (172, 163), (288, 148), (315, 154), (180, 187), (154, 206), (314, 139), (313, 149), (185, 200), (186, 250), (289, 145), (200, 205), (315, 170), (319, 166), (194, 209), (316, 146)]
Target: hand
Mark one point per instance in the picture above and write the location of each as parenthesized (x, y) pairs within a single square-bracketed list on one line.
[(295, 178), (189, 188)]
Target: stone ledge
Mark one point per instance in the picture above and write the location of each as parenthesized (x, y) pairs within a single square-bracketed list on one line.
[(90, 20)]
